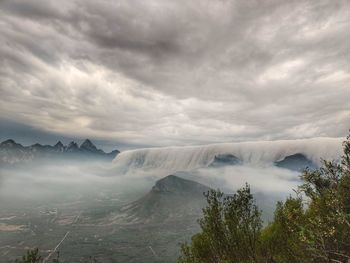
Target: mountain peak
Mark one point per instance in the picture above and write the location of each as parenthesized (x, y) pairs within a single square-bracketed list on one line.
[(225, 159), (296, 162), (72, 145), (175, 184), (10, 143), (171, 198), (87, 144), (59, 144), (59, 147)]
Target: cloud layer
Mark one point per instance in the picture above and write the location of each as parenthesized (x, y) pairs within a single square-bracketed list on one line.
[(177, 72)]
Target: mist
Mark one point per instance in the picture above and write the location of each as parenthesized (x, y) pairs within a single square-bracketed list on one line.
[(42, 201), (59, 182), (53, 180), (269, 184), (256, 153)]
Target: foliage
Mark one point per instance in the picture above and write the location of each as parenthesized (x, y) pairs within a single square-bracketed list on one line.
[(228, 223), (32, 256), (313, 226)]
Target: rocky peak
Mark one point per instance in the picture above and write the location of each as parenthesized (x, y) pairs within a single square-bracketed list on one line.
[(88, 145), (59, 144), (175, 184), (113, 153), (225, 159), (171, 198), (72, 146), (296, 162), (10, 144), (13, 152)]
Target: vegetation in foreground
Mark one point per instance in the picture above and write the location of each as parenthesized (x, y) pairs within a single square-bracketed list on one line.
[(313, 226), (33, 256)]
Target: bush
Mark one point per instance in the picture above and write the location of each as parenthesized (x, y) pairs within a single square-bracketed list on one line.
[(313, 226)]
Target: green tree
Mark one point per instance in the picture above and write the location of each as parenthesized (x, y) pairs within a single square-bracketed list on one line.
[(313, 226), (228, 224), (32, 256), (282, 240), (328, 215)]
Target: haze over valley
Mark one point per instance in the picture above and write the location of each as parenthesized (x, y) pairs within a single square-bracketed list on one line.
[(141, 204)]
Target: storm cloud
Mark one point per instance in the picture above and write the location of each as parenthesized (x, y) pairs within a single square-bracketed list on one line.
[(176, 72)]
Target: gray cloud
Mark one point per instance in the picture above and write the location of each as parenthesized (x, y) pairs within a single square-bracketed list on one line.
[(177, 72)]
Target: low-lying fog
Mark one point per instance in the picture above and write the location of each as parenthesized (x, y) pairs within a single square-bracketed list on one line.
[(65, 181), (43, 182), (42, 203)]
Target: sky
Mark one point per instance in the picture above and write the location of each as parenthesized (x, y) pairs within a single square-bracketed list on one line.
[(161, 72)]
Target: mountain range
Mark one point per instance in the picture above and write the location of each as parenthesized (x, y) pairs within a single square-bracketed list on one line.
[(12, 152), (172, 159)]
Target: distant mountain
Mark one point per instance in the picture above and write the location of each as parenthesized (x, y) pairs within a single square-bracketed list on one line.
[(225, 159), (170, 199), (296, 162), (13, 153), (113, 154), (88, 147), (59, 147), (72, 147), (189, 158)]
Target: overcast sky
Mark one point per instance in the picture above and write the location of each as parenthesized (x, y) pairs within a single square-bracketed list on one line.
[(174, 72)]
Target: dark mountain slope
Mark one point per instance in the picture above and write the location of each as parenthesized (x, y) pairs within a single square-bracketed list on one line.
[(172, 198), (296, 162), (225, 159)]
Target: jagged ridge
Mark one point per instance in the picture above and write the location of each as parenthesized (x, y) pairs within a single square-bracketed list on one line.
[(12, 152)]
